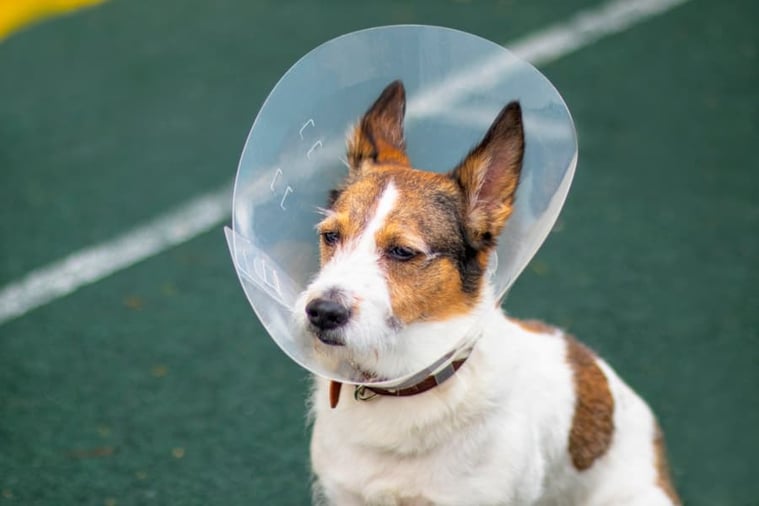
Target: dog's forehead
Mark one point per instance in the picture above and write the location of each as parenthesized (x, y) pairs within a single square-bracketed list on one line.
[(422, 196)]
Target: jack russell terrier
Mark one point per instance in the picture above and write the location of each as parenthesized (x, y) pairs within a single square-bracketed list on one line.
[(527, 416)]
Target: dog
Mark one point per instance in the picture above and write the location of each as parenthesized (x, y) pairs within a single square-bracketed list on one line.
[(525, 416)]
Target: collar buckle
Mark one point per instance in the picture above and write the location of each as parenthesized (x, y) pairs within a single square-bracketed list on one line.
[(363, 393)]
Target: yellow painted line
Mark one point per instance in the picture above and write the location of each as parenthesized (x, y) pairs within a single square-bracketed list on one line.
[(16, 14)]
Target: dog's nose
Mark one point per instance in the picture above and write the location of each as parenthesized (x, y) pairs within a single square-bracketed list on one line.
[(325, 314)]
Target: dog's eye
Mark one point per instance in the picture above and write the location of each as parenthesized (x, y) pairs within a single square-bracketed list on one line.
[(330, 238), (401, 253)]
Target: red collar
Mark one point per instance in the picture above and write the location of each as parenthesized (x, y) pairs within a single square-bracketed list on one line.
[(366, 392)]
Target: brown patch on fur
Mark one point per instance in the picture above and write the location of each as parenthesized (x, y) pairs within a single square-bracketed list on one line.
[(534, 326), (663, 479), (593, 422), (435, 296), (430, 286), (351, 212)]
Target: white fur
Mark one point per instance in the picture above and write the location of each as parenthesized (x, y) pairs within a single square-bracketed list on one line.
[(496, 433)]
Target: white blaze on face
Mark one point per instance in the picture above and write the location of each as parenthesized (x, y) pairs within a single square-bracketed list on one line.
[(385, 205), (354, 271)]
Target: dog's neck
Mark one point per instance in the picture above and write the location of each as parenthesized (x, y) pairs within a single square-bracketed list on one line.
[(421, 422), (421, 344), (417, 384)]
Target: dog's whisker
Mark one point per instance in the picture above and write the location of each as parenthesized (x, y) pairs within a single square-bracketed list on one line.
[(323, 211)]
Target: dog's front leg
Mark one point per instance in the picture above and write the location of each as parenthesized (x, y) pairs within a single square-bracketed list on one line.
[(337, 496), (334, 496)]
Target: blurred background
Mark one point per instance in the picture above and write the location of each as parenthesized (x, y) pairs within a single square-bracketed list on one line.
[(133, 376)]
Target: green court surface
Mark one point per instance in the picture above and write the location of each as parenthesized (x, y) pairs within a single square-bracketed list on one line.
[(156, 385)]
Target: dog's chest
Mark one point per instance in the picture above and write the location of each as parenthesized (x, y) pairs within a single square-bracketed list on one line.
[(465, 471), (469, 456), (481, 439)]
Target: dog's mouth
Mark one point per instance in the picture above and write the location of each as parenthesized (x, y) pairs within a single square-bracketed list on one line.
[(328, 337)]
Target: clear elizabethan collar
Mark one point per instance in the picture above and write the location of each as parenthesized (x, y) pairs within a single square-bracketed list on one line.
[(456, 83)]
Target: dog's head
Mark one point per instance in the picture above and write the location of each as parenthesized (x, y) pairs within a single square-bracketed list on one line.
[(404, 249)]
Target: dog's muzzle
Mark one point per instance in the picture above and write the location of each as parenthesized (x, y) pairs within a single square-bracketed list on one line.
[(325, 316)]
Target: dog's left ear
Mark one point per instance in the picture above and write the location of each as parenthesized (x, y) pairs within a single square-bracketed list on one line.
[(489, 176), (378, 136)]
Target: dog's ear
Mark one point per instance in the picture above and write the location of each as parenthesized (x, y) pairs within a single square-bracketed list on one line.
[(489, 176), (378, 136)]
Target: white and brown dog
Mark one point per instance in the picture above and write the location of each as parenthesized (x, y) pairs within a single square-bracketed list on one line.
[(529, 417)]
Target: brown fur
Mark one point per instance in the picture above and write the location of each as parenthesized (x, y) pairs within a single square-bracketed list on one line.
[(593, 422), (663, 480), (351, 213), (378, 136)]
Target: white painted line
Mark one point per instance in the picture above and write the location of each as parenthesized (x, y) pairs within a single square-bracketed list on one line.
[(586, 27), (199, 215), (92, 264), (539, 48)]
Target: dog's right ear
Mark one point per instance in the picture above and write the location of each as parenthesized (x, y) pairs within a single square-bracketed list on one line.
[(378, 136)]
